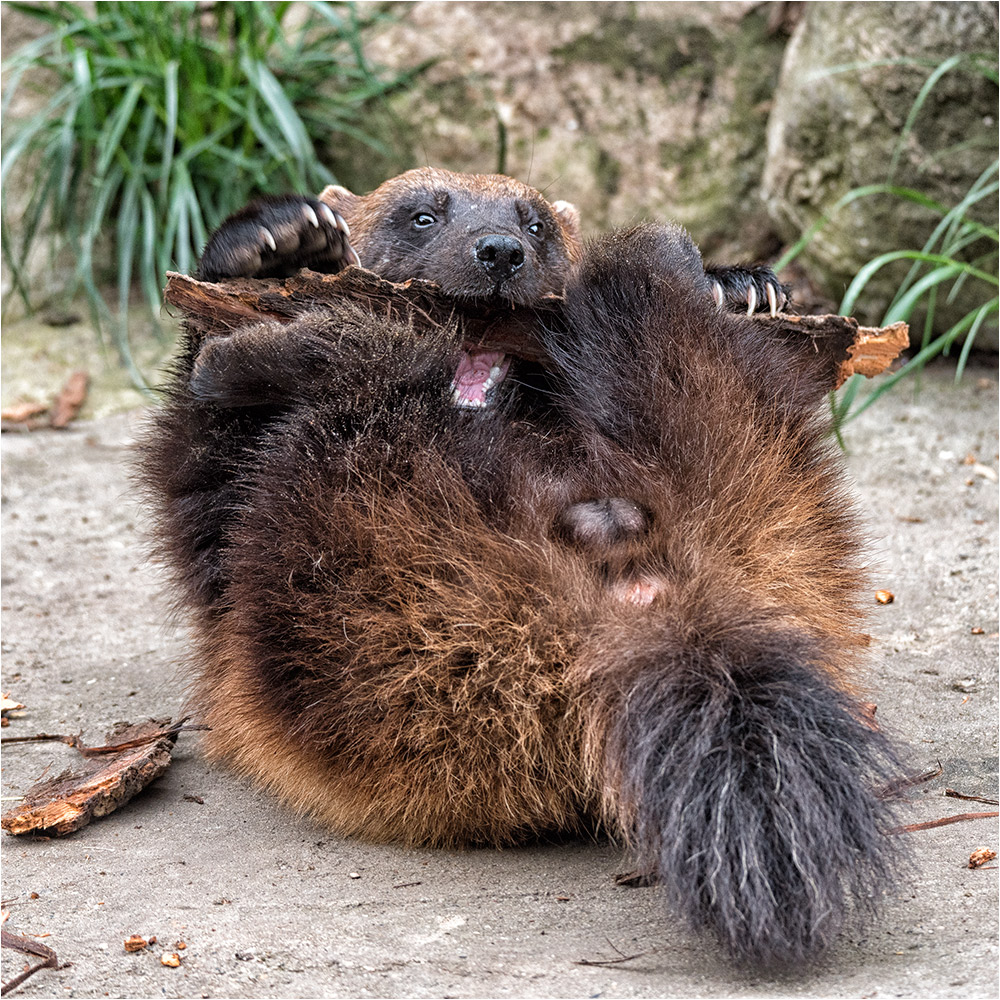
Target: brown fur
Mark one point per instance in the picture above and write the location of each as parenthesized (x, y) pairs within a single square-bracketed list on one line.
[(400, 633)]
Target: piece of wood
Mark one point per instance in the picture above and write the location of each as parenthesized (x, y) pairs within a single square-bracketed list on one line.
[(137, 754), (214, 309), (944, 821), (17, 942), (71, 397)]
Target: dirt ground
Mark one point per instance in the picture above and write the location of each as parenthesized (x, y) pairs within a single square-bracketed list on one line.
[(270, 906)]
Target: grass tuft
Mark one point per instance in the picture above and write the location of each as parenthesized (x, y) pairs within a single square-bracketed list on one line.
[(164, 119), (959, 250)]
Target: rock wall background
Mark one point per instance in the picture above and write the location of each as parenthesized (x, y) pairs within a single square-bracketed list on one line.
[(731, 118), (743, 121)]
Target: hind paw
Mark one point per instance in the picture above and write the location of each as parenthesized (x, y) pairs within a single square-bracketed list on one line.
[(747, 290), (274, 237)]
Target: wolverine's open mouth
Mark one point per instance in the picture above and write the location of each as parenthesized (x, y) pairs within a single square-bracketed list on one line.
[(477, 374)]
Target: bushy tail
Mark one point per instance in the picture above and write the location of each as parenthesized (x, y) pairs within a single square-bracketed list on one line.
[(748, 783)]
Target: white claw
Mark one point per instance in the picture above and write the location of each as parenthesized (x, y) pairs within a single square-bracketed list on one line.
[(751, 300), (772, 299), (717, 294), (310, 215), (355, 259), (335, 219), (265, 235)]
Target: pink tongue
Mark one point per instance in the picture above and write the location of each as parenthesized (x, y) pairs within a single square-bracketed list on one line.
[(477, 373)]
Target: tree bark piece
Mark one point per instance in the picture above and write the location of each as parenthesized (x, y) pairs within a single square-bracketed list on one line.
[(216, 309), (71, 397), (137, 755)]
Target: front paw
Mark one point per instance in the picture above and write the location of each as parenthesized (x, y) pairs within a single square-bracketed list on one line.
[(747, 289), (274, 237)]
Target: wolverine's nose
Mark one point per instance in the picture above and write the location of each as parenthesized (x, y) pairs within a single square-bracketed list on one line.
[(501, 256)]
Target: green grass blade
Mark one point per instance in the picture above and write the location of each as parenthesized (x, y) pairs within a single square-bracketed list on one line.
[(992, 306), (917, 105)]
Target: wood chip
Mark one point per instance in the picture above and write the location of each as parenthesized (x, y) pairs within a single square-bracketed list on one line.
[(980, 857), (884, 596), (171, 959), (69, 400), (135, 943), (106, 781), (20, 412), (7, 704)]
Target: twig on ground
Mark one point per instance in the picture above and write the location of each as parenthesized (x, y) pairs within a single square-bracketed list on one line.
[(944, 821), (952, 794), (26, 946), (900, 785), (76, 743)]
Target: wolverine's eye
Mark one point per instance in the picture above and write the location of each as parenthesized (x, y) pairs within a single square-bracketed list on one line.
[(422, 220), (536, 229)]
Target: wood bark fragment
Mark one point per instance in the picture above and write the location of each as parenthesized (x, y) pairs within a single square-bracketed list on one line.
[(980, 857), (216, 309), (69, 400), (135, 756)]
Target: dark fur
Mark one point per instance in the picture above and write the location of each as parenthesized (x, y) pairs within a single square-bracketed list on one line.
[(414, 626)]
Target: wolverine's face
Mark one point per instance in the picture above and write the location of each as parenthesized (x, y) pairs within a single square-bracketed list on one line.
[(477, 236)]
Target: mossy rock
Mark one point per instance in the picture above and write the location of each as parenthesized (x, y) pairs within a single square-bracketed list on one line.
[(851, 77)]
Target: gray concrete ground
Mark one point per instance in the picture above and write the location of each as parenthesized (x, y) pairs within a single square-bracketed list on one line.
[(270, 906)]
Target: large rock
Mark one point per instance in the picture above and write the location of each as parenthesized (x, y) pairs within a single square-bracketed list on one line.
[(832, 130), (631, 111)]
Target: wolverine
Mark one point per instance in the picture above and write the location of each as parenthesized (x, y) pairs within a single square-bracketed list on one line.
[(444, 597)]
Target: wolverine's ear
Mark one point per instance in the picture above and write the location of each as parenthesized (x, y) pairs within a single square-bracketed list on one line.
[(569, 215), (340, 200)]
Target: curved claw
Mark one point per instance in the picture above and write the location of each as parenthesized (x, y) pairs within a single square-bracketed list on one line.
[(310, 215), (268, 239), (718, 295), (355, 259), (772, 299), (335, 219), (751, 300)]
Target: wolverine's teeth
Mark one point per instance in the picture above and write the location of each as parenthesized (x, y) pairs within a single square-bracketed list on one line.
[(310, 215), (462, 403), (751, 300)]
